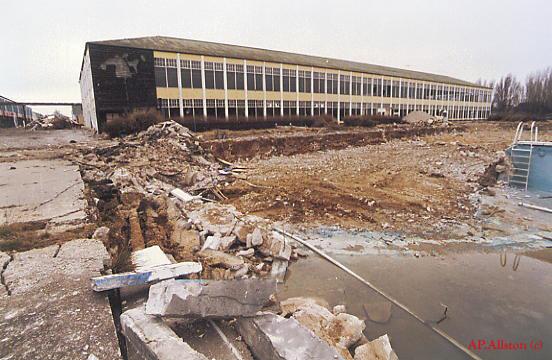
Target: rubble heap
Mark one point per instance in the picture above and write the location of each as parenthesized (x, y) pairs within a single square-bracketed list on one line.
[(56, 121), (165, 156), (156, 196), (422, 118), (340, 330), (130, 182)]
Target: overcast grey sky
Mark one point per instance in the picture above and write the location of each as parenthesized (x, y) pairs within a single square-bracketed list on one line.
[(42, 42)]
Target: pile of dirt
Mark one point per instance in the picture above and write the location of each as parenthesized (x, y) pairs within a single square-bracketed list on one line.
[(498, 167), (265, 145), (414, 186), (422, 118)]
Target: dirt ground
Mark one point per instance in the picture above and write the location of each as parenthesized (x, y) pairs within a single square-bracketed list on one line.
[(411, 185)]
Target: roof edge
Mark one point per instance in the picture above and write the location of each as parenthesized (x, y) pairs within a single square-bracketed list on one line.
[(454, 81)]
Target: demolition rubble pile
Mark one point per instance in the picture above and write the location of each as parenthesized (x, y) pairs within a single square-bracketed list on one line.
[(303, 328), (156, 196), (422, 118), (154, 161), (159, 188), (56, 121)]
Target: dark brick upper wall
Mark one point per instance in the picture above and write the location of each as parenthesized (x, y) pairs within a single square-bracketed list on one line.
[(123, 79)]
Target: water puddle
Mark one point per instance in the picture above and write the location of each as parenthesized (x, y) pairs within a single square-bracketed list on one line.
[(489, 297)]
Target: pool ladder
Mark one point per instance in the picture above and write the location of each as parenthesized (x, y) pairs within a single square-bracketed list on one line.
[(521, 156)]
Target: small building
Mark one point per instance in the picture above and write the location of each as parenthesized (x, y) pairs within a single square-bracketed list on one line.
[(13, 114), (182, 77)]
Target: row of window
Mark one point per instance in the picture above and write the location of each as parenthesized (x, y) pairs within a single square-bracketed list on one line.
[(303, 81), (255, 108), (19, 110)]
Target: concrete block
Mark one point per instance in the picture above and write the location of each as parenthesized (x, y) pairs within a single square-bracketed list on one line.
[(379, 348), (150, 338), (219, 258), (215, 299), (183, 195), (291, 305), (148, 258), (279, 270), (273, 337)]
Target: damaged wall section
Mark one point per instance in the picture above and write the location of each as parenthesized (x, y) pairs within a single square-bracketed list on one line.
[(123, 80)]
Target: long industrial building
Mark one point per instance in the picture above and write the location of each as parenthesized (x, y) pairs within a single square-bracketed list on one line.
[(182, 77), (13, 114)]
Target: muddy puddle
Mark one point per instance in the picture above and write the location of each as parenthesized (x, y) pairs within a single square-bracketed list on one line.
[(489, 297)]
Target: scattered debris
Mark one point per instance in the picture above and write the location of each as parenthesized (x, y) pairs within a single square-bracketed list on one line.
[(55, 121), (535, 207)]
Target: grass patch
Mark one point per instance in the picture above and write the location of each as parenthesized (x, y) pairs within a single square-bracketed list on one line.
[(6, 232)]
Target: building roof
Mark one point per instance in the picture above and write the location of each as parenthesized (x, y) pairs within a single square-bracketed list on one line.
[(186, 46)]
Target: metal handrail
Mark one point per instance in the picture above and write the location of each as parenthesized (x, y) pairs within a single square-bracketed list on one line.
[(519, 130)]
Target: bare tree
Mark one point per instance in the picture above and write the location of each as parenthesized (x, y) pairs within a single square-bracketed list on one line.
[(538, 89), (508, 93)]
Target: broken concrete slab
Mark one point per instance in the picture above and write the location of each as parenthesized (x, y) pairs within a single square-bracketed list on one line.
[(183, 195), (215, 218), (340, 331), (146, 276), (345, 330), (291, 305), (378, 349), (34, 267), (315, 318), (270, 336), (47, 294), (209, 299), (246, 253), (148, 337), (42, 190), (148, 258), (219, 258), (187, 239), (378, 312), (218, 242), (279, 270), (255, 238)]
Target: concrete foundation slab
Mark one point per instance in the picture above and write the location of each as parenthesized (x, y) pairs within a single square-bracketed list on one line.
[(51, 312), (34, 190)]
